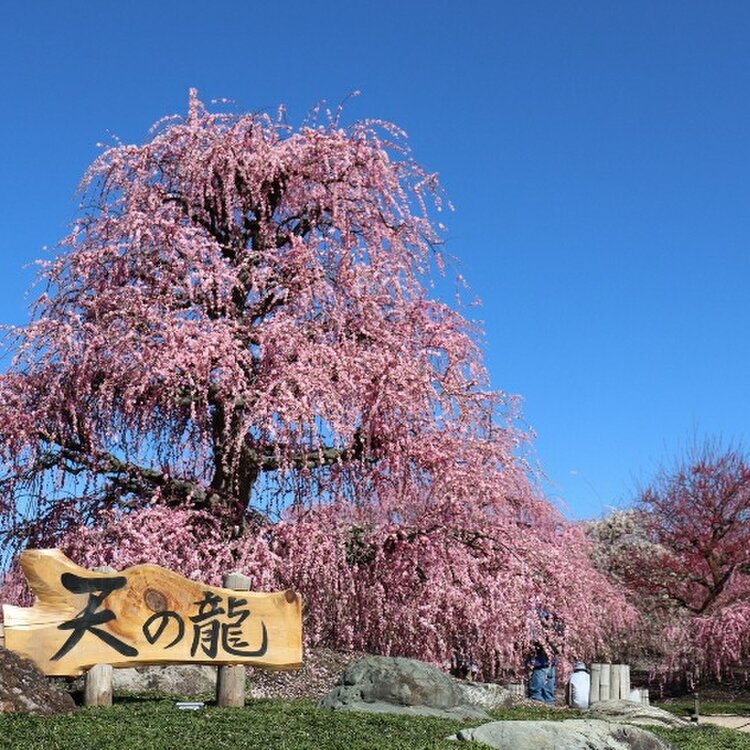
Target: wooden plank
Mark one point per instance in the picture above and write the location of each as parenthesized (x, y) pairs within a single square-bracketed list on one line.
[(146, 615)]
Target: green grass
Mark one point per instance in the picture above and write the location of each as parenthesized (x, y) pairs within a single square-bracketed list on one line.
[(704, 738), (158, 725), (149, 723)]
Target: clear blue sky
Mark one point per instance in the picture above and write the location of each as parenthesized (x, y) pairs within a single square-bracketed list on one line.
[(598, 155)]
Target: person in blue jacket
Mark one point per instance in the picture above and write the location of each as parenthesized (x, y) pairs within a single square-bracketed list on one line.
[(543, 675), (542, 663)]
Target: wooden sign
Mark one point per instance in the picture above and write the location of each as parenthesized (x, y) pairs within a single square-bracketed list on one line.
[(146, 615)]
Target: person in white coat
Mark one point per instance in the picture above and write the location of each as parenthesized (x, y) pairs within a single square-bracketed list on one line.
[(579, 687)]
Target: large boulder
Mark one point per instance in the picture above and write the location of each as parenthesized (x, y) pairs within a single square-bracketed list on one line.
[(24, 688), (634, 713), (172, 679), (573, 734), (389, 684)]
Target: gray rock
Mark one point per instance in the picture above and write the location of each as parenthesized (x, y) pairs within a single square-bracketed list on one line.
[(172, 679), (573, 734), (395, 685), (486, 695), (23, 688), (634, 713)]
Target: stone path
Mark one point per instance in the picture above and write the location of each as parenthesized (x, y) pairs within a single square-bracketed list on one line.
[(730, 721)]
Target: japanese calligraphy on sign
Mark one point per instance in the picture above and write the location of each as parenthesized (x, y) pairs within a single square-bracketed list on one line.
[(146, 615)]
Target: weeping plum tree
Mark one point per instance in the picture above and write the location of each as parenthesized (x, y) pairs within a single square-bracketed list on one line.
[(237, 333), (240, 301), (684, 555)]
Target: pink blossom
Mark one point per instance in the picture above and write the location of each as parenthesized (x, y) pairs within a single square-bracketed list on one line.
[(235, 362)]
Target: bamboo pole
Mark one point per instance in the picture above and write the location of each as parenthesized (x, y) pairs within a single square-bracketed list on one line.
[(614, 682), (596, 672), (230, 680), (624, 681), (604, 682)]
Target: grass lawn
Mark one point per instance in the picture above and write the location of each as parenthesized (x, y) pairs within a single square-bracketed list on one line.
[(155, 724), (704, 738)]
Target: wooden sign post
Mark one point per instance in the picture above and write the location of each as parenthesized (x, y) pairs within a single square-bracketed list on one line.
[(230, 680), (98, 680), (146, 615)]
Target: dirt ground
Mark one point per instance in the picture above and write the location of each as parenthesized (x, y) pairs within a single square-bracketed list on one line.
[(320, 673)]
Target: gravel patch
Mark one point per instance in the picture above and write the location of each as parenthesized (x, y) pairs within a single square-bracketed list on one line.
[(320, 673)]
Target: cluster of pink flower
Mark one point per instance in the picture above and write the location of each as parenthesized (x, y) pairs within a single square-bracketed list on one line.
[(240, 319)]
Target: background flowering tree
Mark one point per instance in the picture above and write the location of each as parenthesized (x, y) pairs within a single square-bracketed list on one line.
[(235, 351), (684, 556)]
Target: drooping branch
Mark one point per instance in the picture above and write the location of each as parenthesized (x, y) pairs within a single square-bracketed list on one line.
[(130, 478)]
